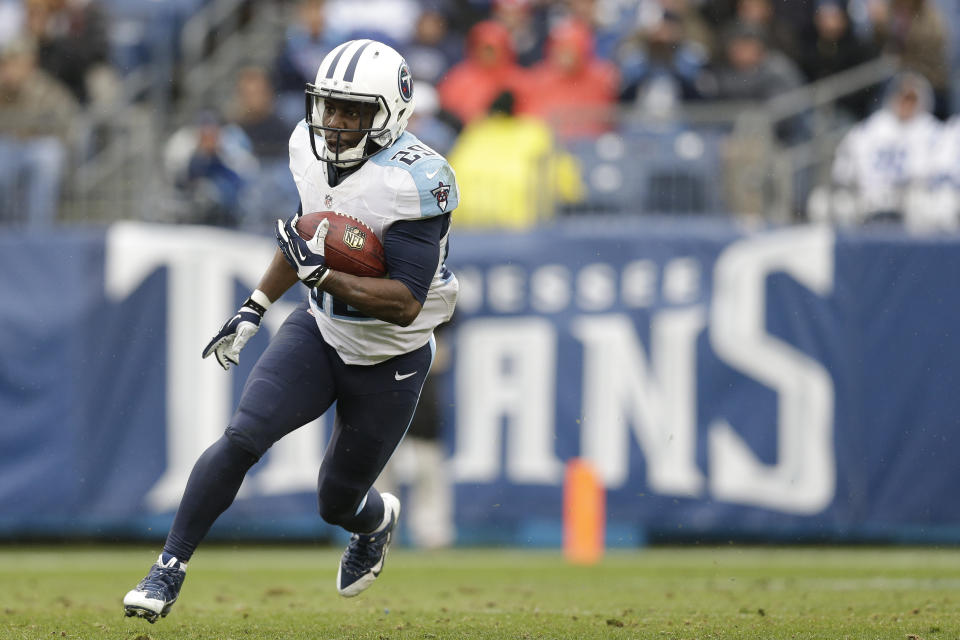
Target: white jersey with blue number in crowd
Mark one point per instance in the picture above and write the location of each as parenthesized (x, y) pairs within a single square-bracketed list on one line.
[(884, 156), (405, 181)]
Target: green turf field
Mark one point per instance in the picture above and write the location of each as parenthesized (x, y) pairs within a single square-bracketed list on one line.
[(253, 593)]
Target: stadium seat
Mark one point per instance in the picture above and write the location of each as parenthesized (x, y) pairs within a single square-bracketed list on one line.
[(680, 169), (642, 170), (602, 167)]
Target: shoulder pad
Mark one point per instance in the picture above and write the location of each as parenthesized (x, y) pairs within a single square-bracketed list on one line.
[(431, 189), (301, 155)]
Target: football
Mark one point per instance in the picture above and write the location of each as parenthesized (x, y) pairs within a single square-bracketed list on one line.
[(351, 246)]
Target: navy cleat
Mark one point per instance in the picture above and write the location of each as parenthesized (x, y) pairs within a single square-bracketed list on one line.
[(156, 593), (363, 560)]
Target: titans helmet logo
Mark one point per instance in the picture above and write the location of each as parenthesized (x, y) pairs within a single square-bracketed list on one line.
[(405, 82)]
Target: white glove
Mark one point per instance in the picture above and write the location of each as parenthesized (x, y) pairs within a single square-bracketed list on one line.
[(235, 333)]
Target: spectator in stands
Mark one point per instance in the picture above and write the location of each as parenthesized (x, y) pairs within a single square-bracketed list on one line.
[(255, 113), (888, 155), (462, 15), (210, 163), (915, 31), (780, 35), (661, 55), (525, 20), (837, 49), (696, 31), (469, 88), (512, 168), (750, 70), (433, 49), (270, 186), (790, 20), (305, 43), (572, 89), (73, 45), (36, 116), (610, 23)]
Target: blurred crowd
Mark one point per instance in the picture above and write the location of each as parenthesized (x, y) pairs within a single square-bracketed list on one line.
[(545, 106)]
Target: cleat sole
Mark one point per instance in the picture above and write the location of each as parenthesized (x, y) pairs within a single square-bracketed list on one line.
[(149, 616)]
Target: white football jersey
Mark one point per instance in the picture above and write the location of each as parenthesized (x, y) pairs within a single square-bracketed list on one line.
[(405, 181), (883, 157)]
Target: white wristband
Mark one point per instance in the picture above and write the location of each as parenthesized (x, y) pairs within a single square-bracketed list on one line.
[(260, 298)]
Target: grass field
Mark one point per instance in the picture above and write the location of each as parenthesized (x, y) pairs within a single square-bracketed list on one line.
[(254, 593)]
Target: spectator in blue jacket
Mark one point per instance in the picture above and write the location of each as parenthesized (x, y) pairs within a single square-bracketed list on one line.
[(661, 53), (210, 163)]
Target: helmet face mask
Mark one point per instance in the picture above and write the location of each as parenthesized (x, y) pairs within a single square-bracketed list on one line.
[(366, 144), (365, 72)]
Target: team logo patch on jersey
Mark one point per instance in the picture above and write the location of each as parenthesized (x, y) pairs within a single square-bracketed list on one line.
[(441, 193), (405, 82), (353, 237), (328, 201)]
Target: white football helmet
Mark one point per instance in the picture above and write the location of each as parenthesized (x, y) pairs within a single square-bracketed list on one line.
[(362, 71)]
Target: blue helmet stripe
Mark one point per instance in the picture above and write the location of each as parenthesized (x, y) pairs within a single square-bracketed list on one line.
[(336, 59), (352, 67)]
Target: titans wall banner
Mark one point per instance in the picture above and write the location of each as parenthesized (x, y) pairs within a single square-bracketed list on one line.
[(785, 384)]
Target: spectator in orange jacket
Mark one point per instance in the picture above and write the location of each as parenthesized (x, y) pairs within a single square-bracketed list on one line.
[(571, 88), (489, 69)]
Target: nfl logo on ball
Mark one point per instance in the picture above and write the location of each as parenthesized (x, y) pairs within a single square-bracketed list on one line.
[(353, 237)]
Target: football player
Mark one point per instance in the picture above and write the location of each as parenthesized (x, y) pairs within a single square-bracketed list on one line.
[(364, 343)]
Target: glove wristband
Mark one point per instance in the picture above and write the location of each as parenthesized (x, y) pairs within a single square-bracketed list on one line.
[(323, 276), (317, 276), (258, 301)]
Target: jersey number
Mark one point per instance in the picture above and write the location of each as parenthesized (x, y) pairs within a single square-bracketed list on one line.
[(339, 308), (412, 153)]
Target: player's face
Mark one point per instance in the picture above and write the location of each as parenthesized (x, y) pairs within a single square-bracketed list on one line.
[(346, 114)]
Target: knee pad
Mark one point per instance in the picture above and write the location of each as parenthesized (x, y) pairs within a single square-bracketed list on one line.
[(241, 440)]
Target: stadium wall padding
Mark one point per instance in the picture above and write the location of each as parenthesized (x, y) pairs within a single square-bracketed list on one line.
[(784, 384)]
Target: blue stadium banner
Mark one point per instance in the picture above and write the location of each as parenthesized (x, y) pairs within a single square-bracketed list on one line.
[(784, 384)]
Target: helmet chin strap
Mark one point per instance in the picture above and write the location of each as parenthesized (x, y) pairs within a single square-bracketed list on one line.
[(348, 158)]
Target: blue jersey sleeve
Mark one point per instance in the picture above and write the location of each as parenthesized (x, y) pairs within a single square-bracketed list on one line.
[(412, 248)]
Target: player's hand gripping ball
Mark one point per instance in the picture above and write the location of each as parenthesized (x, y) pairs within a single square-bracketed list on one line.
[(304, 255), (350, 246)]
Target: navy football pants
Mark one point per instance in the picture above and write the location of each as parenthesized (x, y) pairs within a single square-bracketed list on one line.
[(296, 380)]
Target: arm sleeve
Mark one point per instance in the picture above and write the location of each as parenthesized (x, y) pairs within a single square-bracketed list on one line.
[(412, 248)]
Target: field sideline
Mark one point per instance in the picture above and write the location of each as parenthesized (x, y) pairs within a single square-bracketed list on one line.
[(254, 593)]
